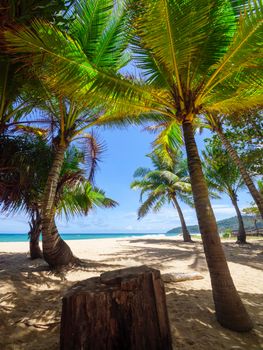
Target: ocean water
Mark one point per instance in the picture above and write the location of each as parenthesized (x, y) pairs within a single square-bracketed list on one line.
[(23, 237)]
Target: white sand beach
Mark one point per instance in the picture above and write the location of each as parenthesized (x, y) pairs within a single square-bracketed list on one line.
[(30, 295)]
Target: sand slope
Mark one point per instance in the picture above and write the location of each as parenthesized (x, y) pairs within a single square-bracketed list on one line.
[(30, 296)]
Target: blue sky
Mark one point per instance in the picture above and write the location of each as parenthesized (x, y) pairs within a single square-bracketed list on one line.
[(126, 149)]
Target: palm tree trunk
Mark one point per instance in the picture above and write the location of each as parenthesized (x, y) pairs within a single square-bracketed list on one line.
[(241, 237), (186, 234), (230, 311), (55, 251), (34, 233), (258, 198)]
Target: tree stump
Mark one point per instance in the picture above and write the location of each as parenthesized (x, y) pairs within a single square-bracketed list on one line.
[(120, 310)]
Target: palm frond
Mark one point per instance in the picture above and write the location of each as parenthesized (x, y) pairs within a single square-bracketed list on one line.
[(147, 205), (72, 72), (89, 23), (81, 198), (170, 137), (159, 204), (244, 52), (141, 172), (186, 198), (93, 149), (240, 92)]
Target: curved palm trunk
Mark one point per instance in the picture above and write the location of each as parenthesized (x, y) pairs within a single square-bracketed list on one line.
[(186, 234), (241, 237), (258, 198), (34, 233), (230, 311), (56, 252)]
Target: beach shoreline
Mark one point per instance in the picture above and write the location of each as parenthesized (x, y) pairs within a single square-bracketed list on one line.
[(30, 295)]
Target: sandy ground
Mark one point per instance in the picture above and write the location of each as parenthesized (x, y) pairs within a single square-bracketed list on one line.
[(30, 295)]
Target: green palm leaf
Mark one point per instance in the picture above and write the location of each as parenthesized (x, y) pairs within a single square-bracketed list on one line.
[(244, 51)]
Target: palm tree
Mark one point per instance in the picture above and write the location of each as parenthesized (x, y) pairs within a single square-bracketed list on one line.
[(98, 30), (223, 176), (197, 57), (23, 178), (168, 182), (215, 122)]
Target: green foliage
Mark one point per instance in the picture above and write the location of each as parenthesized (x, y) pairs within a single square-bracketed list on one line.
[(14, 80), (221, 173), (245, 132), (96, 38), (24, 11), (196, 56), (23, 177), (168, 179), (227, 233), (251, 211)]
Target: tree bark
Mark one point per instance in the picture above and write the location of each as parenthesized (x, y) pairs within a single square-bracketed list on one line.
[(34, 233), (186, 234), (241, 237), (230, 311), (258, 198), (120, 310), (56, 252)]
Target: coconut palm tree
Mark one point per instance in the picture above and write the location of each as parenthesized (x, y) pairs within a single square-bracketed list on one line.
[(197, 57), (23, 178), (98, 29), (223, 176), (167, 182)]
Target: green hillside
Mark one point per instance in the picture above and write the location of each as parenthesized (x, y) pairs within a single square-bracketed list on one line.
[(230, 223)]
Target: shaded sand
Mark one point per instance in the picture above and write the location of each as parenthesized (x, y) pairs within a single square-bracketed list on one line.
[(30, 296)]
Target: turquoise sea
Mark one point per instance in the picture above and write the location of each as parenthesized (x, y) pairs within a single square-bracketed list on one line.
[(23, 237)]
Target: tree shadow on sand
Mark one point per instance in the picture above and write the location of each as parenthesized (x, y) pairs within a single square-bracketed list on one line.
[(159, 255), (248, 254), (30, 296), (30, 301), (194, 325)]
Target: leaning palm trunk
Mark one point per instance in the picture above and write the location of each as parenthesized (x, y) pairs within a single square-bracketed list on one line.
[(55, 251), (230, 311), (241, 237), (186, 234), (34, 233), (258, 198)]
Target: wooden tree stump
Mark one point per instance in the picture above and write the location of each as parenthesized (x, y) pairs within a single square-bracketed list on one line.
[(120, 310)]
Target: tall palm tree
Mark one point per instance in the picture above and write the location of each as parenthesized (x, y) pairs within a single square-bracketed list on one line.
[(197, 57), (167, 182), (223, 176), (98, 31)]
